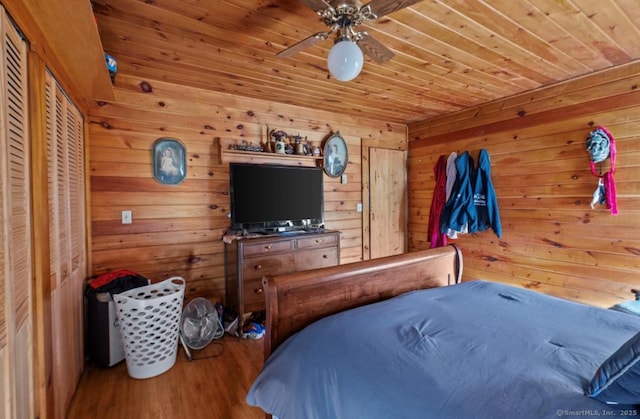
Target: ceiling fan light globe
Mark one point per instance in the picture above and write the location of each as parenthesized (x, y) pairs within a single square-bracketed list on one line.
[(345, 60)]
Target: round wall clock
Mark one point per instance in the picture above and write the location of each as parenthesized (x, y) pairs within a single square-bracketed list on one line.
[(336, 155)]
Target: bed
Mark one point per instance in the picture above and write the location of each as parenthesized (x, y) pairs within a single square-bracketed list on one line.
[(401, 337)]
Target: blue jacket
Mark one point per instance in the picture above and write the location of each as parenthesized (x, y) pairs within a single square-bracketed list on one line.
[(473, 205), (484, 198), (459, 211)]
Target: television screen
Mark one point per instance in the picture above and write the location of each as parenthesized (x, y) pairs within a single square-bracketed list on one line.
[(273, 197)]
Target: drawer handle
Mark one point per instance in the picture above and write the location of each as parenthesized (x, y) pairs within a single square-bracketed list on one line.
[(318, 241), (258, 266), (267, 247), (258, 290), (325, 256)]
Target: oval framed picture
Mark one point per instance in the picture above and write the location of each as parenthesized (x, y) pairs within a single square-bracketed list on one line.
[(336, 155), (169, 161)]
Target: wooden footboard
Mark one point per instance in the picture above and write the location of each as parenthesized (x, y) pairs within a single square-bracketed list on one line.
[(298, 299)]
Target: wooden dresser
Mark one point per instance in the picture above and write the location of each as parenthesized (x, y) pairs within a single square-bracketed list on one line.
[(247, 259)]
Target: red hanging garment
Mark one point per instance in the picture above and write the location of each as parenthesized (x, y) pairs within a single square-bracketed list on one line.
[(437, 238), (607, 179)]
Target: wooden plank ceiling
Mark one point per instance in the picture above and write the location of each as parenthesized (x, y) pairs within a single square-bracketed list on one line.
[(449, 54)]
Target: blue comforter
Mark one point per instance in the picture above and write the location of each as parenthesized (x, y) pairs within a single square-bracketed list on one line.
[(474, 350)]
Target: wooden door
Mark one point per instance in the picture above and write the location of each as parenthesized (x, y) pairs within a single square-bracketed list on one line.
[(387, 202)]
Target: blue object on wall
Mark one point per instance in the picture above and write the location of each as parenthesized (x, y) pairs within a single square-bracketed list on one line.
[(112, 66)]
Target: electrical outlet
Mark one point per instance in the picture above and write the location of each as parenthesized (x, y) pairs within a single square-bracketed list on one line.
[(343, 179), (359, 207), (126, 217)]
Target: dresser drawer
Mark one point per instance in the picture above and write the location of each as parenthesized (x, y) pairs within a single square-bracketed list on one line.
[(252, 291), (255, 267), (316, 258), (328, 240), (267, 247)]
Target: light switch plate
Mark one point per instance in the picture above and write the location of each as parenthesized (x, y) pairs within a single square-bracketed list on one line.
[(126, 217)]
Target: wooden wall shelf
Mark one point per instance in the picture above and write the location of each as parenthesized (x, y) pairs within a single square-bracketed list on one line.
[(228, 155), (66, 35)]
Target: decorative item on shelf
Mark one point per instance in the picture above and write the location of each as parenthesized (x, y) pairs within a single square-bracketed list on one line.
[(300, 150), (246, 146), (316, 151), (335, 155), (269, 144), (279, 138), (169, 161)]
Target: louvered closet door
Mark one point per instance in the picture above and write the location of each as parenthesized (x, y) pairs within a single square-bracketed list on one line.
[(16, 343), (65, 161)]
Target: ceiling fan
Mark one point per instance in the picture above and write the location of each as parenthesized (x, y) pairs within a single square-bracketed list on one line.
[(345, 58)]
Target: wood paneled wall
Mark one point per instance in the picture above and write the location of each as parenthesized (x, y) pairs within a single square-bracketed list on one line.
[(552, 240), (177, 230)]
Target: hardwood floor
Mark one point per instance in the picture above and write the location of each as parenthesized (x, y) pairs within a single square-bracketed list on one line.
[(211, 386)]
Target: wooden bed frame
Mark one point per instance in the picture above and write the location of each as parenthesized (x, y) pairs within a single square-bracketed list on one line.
[(298, 299)]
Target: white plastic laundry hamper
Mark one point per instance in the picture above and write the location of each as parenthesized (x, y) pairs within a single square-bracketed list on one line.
[(149, 322)]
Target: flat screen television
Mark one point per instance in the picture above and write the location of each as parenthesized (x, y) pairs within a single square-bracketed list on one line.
[(274, 198)]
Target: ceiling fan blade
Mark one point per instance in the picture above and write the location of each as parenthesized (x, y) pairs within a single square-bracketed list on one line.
[(305, 43), (384, 7), (374, 49), (316, 5)]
